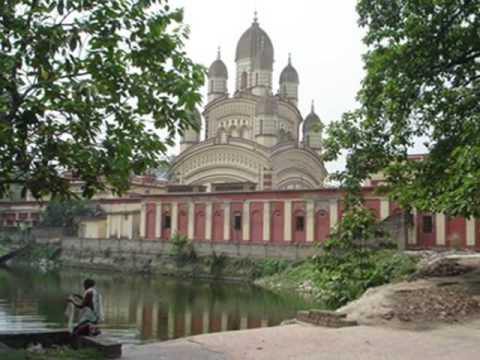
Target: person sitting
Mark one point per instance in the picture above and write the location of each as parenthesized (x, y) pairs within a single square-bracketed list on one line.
[(90, 307)]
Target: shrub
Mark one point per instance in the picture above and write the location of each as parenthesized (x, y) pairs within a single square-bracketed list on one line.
[(269, 267), (217, 263), (182, 249)]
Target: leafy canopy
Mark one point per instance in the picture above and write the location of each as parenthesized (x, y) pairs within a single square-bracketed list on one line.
[(422, 82), (84, 84)]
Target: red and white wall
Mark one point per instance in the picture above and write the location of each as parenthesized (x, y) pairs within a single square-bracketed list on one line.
[(267, 217), (285, 217)]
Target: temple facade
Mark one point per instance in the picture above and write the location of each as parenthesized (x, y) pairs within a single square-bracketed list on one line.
[(252, 137)]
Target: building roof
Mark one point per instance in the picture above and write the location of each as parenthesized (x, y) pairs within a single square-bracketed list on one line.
[(311, 122), (289, 74), (218, 68), (255, 44)]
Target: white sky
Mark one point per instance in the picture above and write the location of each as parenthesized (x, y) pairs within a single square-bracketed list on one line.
[(323, 37)]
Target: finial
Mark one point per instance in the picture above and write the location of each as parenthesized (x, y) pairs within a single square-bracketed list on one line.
[(313, 106), (289, 58), (219, 53), (255, 17)]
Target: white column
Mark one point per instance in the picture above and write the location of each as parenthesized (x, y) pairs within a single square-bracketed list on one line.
[(412, 239), (333, 213), (310, 235), (205, 321), (109, 226), (171, 322), (208, 222), (155, 320), (174, 219), (246, 221), (226, 221), (384, 209), (287, 228), (243, 321), (266, 221), (143, 220), (471, 238), (129, 227), (224, 321), (158, 221), (188, 321), (440, 227), (139, 315), (119, 226), (191, 220)]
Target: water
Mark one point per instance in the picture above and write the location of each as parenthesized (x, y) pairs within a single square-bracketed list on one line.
[(141, 309)]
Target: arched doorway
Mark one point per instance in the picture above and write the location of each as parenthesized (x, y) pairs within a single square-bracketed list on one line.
[(322, 225), (277, 222), (256, 222), (299, 225), (183, 220), (244, 80), (151, 214), (217, 233), (199, 231)]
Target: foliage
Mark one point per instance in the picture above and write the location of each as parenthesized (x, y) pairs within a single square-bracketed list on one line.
[(84, 85), (422, 83), (217, 263), (182, 249), (337, 278), (269, 267), (59, 353), (356, 228), (65, 213)]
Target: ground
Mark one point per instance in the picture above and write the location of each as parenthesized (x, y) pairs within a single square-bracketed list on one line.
[(299, 341), (435, 315)]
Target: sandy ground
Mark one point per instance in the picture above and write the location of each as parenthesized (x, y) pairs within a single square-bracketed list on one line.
[(300, 341), (429, 318)]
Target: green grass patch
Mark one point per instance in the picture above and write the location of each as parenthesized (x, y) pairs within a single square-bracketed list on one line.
[(334, 279)]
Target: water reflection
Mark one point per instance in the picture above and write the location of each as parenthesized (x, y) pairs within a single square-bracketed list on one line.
[(141, 309)]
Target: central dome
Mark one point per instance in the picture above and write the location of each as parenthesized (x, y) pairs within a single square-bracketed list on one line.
[(256, 45)]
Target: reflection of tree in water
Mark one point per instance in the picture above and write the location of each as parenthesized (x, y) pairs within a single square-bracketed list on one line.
[(155, 307)]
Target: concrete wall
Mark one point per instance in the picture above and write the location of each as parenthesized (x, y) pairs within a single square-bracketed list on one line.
[(154, 248)]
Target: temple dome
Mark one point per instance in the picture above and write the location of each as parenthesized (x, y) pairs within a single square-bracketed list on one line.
[(312, 122), (289, 74), (255, 44), (218, 68)]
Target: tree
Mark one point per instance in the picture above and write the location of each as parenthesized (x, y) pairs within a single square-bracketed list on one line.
[(66, 213), (84, 85), (422, 82)]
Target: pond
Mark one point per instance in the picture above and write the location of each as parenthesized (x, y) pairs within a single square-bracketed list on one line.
[(140, 309)]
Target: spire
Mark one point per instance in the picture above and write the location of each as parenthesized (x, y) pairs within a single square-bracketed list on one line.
[(313, 106), (219, 53), (289, 58), (255, 17)]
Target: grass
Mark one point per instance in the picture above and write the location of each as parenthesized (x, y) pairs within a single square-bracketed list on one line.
[(336, 279)]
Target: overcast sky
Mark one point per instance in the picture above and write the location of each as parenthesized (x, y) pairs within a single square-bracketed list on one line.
[(323, 37)]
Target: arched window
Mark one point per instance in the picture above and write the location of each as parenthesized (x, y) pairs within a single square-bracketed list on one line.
[(222, 135), (234, 131), (243, 83), (245, 132)]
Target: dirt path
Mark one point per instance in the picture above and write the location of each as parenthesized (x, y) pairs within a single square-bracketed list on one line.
[(436, 316), (298, 341)]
